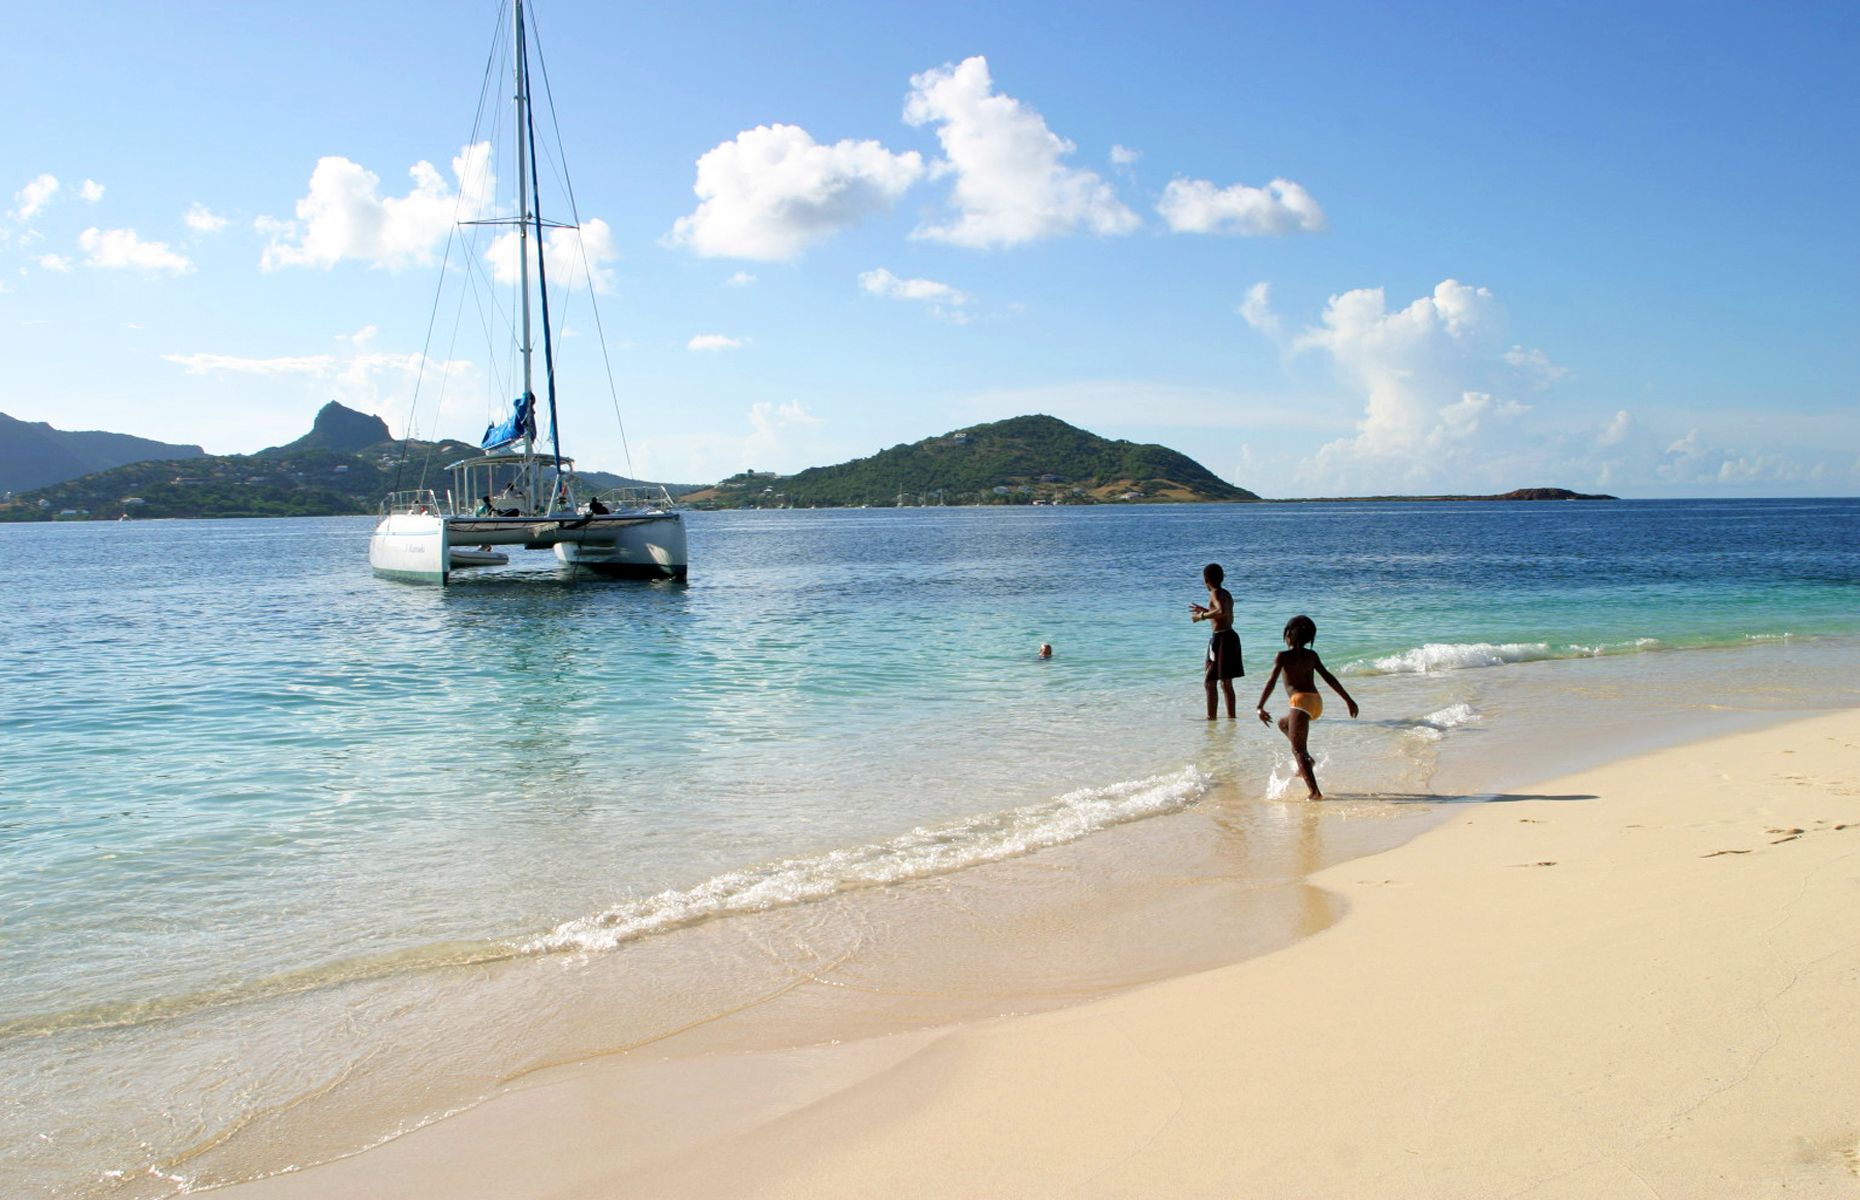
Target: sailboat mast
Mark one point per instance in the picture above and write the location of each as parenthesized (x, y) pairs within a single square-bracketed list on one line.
[(523, 213)]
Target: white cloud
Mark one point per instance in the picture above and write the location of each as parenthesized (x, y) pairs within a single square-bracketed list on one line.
[(1616, 430), (1694, 460), (372, 381), (766, 418), (740, 279), (571, 256), (942, 299), (1257, 310), (29, 200), (780, 437), (1012, 184), (714, 341), (91, 191), (773, 191), (201, 219), (1537, 363), (1430, 378), (343, 216), (1281, 207), (54, 262), (1123, 156), (118, 249)]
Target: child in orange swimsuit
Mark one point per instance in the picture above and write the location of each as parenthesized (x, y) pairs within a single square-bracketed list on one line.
[(1300, 665)]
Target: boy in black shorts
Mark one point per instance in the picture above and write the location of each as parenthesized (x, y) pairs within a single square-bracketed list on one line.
[(1223, 666)]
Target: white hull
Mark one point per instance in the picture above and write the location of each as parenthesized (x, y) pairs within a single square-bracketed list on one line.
[(653, 548), (419, 547), (410, 546)]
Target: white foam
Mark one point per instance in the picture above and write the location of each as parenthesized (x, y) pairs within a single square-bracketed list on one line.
[(1435, 657), (1434, 725), (923, 852)]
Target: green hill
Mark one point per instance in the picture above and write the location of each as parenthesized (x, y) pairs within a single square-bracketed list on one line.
[(34, 455), (1018, 461), (346, 464)]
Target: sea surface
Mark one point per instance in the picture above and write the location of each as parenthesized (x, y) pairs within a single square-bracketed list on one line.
[(293, 858)]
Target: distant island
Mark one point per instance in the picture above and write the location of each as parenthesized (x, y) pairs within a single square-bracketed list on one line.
[(345, 465), (1534, 493), (1022, 460), (348, 462)]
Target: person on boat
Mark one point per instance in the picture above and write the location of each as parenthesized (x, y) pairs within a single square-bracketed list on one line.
[(1223, 664), (484, 508), (511, 501), (1300, 665), (596, 508)]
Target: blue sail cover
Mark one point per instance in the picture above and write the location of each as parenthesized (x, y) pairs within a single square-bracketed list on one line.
[(521, 424)]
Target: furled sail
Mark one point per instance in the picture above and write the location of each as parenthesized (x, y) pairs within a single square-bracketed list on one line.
[(520, 424)]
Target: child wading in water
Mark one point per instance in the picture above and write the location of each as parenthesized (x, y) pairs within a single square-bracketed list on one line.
[(1299, 663), (1224, 647)]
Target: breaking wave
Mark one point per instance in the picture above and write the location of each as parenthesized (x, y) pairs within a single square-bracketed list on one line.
[(921, 853)]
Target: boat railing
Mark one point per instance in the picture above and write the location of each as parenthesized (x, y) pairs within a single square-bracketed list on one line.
[(418, 501), (622, 499)]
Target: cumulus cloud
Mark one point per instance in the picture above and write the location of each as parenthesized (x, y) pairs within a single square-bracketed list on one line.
[(120, 249), (713, 342), (1011, 181), (31, 199), (90, 191), (942, 299), (1256, 309), (343, 216), (1692, 459), (54, 262), (1432, 378), (572, 257), (773, 191), (1281, 207), (202, 219), (1124, 156)]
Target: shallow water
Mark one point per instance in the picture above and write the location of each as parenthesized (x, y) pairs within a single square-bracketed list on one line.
[(271, 829)]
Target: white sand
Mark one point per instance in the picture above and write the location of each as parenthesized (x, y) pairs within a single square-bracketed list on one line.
[(1645, 984)]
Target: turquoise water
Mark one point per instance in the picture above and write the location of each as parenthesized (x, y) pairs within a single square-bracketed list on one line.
[(249, 788)]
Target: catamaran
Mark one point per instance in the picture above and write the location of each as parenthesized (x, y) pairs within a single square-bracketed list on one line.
[(515, 493)]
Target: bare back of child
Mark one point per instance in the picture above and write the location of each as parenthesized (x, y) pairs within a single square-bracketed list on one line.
[(1301, 668)]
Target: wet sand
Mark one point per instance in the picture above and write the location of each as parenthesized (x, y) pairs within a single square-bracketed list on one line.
[(1636, 979)]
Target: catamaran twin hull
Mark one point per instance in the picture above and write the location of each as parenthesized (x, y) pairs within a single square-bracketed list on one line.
[(418, 546)]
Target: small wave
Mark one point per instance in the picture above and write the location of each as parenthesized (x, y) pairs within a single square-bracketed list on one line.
[(1435, 657), (1434, 725), (919, 854)]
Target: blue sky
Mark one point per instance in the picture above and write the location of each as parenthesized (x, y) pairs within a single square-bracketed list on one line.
[(1325, 249)]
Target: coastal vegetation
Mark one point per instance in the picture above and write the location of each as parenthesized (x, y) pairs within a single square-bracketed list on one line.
[(1023, 460), (343, 466)]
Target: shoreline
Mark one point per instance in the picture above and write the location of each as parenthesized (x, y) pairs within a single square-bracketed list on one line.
[(735, 1097)]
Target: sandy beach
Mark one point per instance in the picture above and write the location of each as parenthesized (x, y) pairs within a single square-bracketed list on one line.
[(1635, 980)]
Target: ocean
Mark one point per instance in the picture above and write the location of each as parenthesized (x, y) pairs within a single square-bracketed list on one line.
[(293, 858)]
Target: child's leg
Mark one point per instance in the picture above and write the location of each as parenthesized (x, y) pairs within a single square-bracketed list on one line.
[(1227, 690), (1297, 728)]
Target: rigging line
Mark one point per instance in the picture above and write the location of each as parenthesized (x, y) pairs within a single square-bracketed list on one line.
[(542, 270), (419, 379), (587, 269)]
